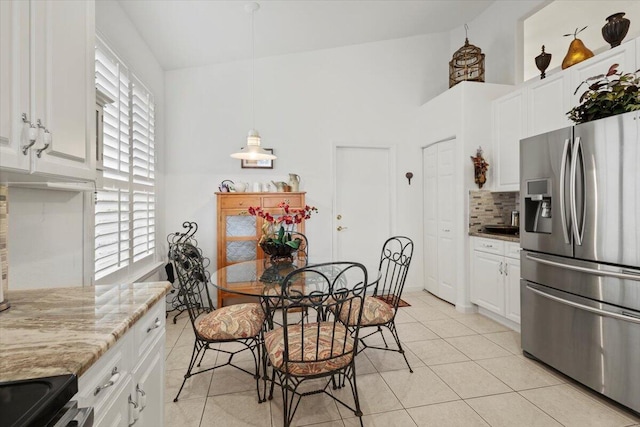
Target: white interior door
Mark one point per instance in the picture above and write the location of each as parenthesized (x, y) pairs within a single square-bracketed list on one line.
[(439, 232), (363, 206), (446, 231)]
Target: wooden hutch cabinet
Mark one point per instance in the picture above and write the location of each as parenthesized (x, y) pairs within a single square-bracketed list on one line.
[(239, 232)]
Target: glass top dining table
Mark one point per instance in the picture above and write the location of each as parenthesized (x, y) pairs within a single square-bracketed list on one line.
[(257, 277)]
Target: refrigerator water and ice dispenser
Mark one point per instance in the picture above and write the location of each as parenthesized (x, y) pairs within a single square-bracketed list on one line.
[(537, 206)]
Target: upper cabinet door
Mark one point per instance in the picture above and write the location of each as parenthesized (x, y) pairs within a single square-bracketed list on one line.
[(548, 103), (62, 86), (14, 85), (623, 55), (509, 122)]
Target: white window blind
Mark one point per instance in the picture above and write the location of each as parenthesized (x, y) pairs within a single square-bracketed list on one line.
[(125, 207)]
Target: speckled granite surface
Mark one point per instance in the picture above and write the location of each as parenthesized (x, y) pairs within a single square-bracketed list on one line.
[(65, 330), (506, 237)]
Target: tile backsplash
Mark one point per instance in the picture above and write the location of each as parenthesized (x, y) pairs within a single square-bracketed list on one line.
[(486, 207), (4, 231)]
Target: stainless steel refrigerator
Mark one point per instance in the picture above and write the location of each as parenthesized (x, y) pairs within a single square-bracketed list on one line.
[(580, 265)]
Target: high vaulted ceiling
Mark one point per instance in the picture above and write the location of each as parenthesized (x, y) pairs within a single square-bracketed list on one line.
[(188, 33)]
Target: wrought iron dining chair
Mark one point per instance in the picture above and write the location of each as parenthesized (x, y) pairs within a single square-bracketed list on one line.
[(240, 323), (316, 345), (380, 309)]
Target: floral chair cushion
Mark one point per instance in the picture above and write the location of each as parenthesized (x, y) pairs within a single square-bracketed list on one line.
[(316, 335), (232, 322), (376, 312)]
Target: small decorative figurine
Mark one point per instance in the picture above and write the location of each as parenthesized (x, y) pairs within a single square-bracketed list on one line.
[(480, 166), (577, 52), (542, 62)]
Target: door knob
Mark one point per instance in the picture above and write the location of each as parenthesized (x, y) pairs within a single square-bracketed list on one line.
[(339, 217), (340, 228)]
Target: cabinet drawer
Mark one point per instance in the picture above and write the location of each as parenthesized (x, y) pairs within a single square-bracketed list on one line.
[(239, 201), (273, 202), (98, 386), (147, 329), (491, 246), (512, 250)]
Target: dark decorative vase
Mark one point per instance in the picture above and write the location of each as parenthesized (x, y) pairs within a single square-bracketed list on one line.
[(615, 30), (542, 62), (278, 252)]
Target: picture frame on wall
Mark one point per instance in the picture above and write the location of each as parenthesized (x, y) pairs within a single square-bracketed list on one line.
[(258, 164)]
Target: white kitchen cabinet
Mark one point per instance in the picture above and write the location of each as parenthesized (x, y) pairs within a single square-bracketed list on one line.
[(623, 55), (53, 88), (509, 126), (115, 385), (548, 101), (449, 129), (14, 84), (495, 277)]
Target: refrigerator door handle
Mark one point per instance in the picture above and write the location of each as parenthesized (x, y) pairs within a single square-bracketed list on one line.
[(625, 274), (585, 307), (572, 192), (563, 208)]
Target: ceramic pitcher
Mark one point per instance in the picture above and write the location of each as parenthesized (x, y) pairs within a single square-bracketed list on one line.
[(294, 182)]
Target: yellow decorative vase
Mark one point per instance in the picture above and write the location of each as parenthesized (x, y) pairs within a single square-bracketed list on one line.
[(577, 52)]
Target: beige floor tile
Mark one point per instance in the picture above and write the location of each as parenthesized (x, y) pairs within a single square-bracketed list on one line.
[(187, 337), (228, 379), (170, 341), (403, 317), (447, 328), (511, 409), (375, 396), (337, 423), (236, 409), (184, 413), (482, 324), (384, 360), (313, 409), (434, 352), (386, 419), (477, 347), (179, 358), (469, 380), (196, 386), (450, 414), (572, 407), (519, 373), (414, 331), (364, 365), (422, 387), (509, 340), (425, 313)]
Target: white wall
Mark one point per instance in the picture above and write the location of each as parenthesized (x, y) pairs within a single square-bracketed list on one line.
[(497, 31), (305, 103)]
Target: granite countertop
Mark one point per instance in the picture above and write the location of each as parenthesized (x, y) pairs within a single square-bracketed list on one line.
[(506, 237), (60, 331)]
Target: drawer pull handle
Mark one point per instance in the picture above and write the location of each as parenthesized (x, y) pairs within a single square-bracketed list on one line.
[(142, 400), (115, 376), (487, 246), (134, 412), (156, 325)]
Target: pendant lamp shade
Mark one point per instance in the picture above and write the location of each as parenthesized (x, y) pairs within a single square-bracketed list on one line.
[(253, 151)]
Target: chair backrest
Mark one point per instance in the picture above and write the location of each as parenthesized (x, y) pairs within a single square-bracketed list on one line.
[(394, 264), (193, 278), (313, 299), (303, 249)]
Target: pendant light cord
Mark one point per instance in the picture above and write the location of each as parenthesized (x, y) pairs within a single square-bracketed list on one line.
[(253, 66)]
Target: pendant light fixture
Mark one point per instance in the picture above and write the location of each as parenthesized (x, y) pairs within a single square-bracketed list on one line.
[(253, 151)]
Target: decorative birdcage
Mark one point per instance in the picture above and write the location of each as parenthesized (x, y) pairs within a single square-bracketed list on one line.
[(467, 64)]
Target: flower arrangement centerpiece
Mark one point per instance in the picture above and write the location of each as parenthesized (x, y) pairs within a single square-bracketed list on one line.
[(277, 239), (607, 95)]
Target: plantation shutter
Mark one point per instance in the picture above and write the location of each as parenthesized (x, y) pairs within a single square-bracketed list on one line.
[(125, 206)]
